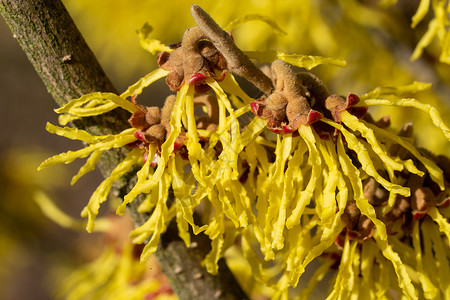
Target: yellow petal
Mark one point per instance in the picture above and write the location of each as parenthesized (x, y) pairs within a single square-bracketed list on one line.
[(421, 12), (403, 278), (166, 148), (426, 39), (109, 102), (345, 277), (102, 191), (436, 256), (429, 290), (252, 17), (88, 166), (92, 111), (193, 145), (303, 61), (353, 175), (397, 91), (230, 85), (113, 141), (326, 204), (444, 225), (410, 102), (52, 212), (354, 124), (368, 254), (72, 133), (157, 223), (142, 176), (151, 45), (278, 202), (366, 161), (316, 162), (435, 172), (144, 82)]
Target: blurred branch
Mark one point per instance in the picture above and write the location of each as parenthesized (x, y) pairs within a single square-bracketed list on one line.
[(69, 69)]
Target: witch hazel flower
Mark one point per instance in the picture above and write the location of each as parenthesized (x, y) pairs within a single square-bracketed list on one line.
[(341, 188), (164, 141), (310, 177)]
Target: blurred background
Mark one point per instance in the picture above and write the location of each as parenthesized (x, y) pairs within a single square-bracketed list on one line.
[(376, 42)]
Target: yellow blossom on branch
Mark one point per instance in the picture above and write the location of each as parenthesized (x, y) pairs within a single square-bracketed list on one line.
[(311, 176)]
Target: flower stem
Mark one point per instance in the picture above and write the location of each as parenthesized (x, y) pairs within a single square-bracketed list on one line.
[(237, 61)]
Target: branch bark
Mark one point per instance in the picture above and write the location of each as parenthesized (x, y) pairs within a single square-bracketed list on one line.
[(69, 69)]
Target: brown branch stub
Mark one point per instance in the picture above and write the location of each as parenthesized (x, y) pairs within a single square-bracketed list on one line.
[(237, 62)]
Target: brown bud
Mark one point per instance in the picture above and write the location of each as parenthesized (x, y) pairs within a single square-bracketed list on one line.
[(155, 134), (402, 206), (365, 228), (315, 87), (335, 104), (374, 193), (423, 197), (137, 120), (173, 62), (276, 104), (351, 215), (153, 115)]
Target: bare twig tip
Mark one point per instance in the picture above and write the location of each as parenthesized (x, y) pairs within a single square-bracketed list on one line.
[(196, 10)]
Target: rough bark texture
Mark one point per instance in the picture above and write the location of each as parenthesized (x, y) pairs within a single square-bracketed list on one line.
[(186, 275), (69, 69)]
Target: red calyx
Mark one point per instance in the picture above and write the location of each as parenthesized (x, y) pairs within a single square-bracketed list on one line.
[(133, 99), (196, 78), (139, 135), (276, 130), (177, 145), (254, 105), (352, 100), (418, 214), (287, 129), (313, 116), (222, 77)]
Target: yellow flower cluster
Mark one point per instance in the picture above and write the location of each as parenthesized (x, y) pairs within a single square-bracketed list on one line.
[(438, 28), (286, 197), (116, 275)]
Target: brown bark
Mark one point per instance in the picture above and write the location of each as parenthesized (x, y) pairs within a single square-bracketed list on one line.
[(69, 69)]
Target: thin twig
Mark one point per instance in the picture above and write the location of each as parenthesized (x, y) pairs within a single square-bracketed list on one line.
[(237, 62)]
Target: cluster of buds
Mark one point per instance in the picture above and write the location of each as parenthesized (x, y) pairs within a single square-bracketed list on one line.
[(192, 61), (357, 226), (300, 99), (425, 193), (338, 179), (153, 124)]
